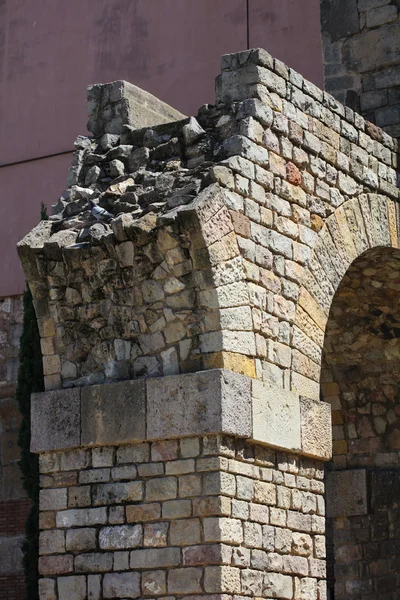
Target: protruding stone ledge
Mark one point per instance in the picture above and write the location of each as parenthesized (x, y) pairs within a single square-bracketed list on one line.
[(113, 105), (193, 404)]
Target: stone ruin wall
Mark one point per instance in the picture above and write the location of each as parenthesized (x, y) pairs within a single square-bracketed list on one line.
[(217, 230), (209, 292), (14, 506), (362, 59)]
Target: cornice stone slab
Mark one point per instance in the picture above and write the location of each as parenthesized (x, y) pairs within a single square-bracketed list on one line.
[(193, 404)]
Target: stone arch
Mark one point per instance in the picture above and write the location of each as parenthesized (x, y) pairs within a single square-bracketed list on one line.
[(358, 225), (347, 315)]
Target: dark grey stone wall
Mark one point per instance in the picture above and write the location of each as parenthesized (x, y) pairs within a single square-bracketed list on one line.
[(361, 42)]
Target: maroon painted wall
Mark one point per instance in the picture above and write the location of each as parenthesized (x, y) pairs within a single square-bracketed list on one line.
[(50, 50)]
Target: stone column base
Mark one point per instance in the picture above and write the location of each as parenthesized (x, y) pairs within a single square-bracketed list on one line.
[(161, 488)]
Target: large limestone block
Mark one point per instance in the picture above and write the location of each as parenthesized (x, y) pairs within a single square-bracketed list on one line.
[(384, 40), (385, 489), (11, 554), (55, 420), (114, 413), (346, 493), (276, 417), (316, 428), (199, 403), (113, 105)]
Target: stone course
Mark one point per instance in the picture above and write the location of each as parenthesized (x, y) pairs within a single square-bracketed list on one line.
[(239, 518), (362, 58), (214, 401)]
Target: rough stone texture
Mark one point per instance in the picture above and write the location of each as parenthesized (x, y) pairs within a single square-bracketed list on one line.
[(362, 58), (316, 426), (346, 493), (55, 420), (360, 381), (255, 522), (218, 401), (203, 231), (111, 413), (14, 506), (276, 417), (215, 401), (113, 105), (11, 554)]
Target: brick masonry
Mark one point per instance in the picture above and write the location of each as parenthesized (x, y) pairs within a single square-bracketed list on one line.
[(210, 515), (362, 57), (224, 283)]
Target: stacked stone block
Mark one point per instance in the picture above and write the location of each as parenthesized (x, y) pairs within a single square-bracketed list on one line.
[(363, 511), (203, 516), (360, 374), (362, 58), (14, 506)]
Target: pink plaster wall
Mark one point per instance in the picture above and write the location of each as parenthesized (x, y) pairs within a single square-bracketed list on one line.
[(290, 30), (50, 50), (22, 188)]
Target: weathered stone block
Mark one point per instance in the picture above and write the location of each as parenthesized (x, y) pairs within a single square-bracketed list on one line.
[(56, 565), (80, 540), (165, 488), (154, 583), (143, 512), (222, 579), (47, 589), (55, 420), (185, 581), (97, 562), (207, 402), (71, 587), (115, 493), (346, 493), (54, 499), (185, 532), (81, 517), (346, 25), (11, 554), (277, 585), (133, 106), (113, 413), (316, 428), (120, 537), (51, 542), (121, 585), (276, 416), (155, 558), (356, 50), (385, 488)]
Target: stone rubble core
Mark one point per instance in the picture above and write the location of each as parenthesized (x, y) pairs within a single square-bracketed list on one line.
[(209, 291)]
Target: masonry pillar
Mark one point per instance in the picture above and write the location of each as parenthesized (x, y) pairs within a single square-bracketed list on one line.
[(176, 486)]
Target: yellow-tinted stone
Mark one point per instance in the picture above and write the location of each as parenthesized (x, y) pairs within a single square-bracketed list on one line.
[(232, 362)]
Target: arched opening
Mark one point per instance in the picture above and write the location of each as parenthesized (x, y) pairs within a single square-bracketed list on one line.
[(360, 378)]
